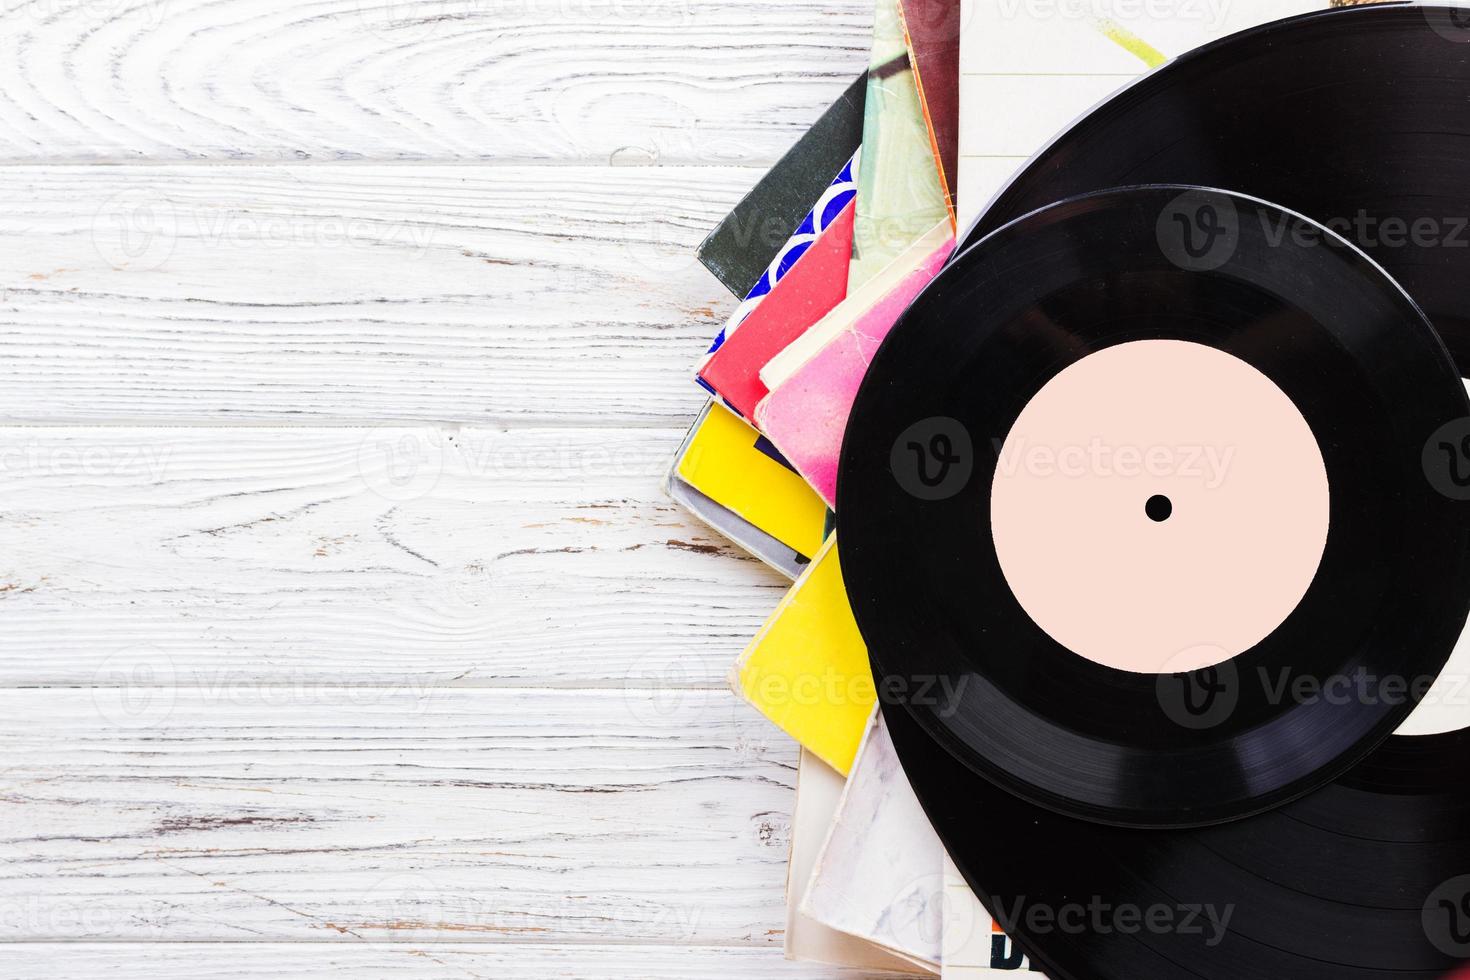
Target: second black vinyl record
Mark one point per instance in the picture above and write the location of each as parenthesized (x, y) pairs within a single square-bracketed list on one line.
[(1356, 118), (1365, 879), (1061, 588)]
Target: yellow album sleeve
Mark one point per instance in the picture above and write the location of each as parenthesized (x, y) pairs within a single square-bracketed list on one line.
[(725, 463), (807, 670)]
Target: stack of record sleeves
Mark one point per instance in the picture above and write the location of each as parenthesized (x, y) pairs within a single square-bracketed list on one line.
[(1115, 443)]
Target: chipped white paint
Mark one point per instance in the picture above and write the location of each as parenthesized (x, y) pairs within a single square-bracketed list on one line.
[(428, 557), (343, 627), (589, 81), (355, 294), (204, 961), (358, 813)]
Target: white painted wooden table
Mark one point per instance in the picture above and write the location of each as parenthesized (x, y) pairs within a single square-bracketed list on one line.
[(343, 344)]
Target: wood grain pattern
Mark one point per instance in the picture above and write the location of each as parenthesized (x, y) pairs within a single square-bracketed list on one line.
[(157, 813), (344, 627), (369, 961), (409, 556), (352, 294), (593, 81)]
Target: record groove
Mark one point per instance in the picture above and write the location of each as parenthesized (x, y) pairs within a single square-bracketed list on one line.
[(1083, 280), (1356, 118)]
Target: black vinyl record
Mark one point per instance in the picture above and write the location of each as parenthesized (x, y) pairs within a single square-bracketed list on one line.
[(1356, 118), (1365, 879), (1333, 537)]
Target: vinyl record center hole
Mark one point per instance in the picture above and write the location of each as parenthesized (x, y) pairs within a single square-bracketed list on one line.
[(1158, 508)]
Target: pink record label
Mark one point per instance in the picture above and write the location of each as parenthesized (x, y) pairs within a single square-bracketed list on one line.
[(1160, 507)]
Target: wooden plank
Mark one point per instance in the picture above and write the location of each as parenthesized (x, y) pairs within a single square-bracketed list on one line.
[(228, 961), (162, 814), (416, 557), (351, 294), (288, 691), (637, 81)]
